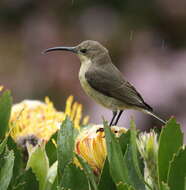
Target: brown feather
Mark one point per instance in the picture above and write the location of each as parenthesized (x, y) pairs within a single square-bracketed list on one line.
[(107, 79)]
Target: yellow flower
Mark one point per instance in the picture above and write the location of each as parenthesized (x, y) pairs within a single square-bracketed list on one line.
[(34, 118), (1, 88), (90, 145), (74, 111), (35, 121)]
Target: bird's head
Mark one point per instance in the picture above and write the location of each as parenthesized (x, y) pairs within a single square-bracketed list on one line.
[(86, 50)]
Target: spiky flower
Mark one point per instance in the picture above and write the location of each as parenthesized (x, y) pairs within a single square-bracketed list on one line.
[(74, 111), (148, 148), (35, 121), (90, 145)]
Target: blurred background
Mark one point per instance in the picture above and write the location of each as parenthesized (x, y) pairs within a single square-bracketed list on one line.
[(146, 40)]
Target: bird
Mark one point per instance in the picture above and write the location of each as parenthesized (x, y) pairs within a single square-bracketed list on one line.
[(102, 80)]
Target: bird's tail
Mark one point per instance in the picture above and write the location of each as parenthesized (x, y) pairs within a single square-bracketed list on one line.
[(155, 116)]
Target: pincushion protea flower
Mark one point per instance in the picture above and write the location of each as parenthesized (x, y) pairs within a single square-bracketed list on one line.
[(91, 146), (148, 148), (35, 121)]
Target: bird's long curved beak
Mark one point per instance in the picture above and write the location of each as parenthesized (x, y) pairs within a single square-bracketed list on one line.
[(72, 49)]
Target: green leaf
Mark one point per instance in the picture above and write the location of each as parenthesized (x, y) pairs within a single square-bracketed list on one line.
[(106, 181), (52, 173), (2, 145), (177, 171), (124, 140), (124, 186), (124, 170), (74, 178), (19, 165), (5, 109), (39, 163), (134, 178), (51, 176), (171, 139), (118, 169), (132, 161), (6, 170), (26, 181), (164, 186), (88, 172), (54, 185), (137, 177), (51, 149), (65, 146)]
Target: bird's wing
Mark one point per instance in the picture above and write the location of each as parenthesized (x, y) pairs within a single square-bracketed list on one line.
[(108, 80)]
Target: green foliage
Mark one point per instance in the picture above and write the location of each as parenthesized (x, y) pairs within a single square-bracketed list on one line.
[(164, 186), (124, 140), (6, 170), (65, 142), (18, 178), (38, 161), (51, 176), (69, 175), (124, 165), (124, 186), (2, 145), (171, 139), (89, 173), (118, 169), (24, 181), (170, 162), (51, 150), (177, 170), (74, 178), (5, 109), (106, 181), (130, 159)]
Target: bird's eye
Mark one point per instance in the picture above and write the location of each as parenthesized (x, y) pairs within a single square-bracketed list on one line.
[(83, 50)]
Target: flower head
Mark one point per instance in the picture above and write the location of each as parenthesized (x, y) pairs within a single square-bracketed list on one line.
[(35, 121), (148, 148), (91, 146), (148, 145), (32, 118)]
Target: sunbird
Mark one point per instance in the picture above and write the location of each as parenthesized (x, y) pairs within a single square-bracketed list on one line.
[(102, 81)]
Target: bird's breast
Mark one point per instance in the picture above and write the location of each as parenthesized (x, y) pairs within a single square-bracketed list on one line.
[(100, 98), (83, 69)]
